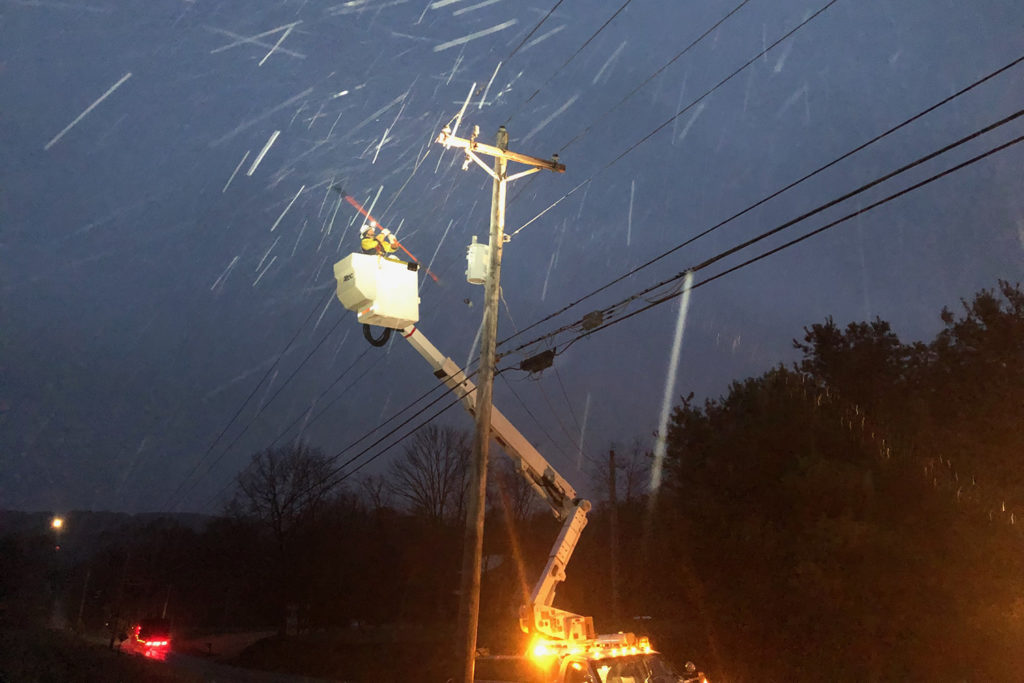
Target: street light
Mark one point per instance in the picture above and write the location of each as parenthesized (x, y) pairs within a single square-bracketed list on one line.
[(57, 524)]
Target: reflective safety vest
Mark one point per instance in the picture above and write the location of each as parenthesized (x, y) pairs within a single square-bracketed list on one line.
[(375, 243)]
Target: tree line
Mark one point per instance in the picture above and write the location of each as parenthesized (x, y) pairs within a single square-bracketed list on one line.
[(855, 516)]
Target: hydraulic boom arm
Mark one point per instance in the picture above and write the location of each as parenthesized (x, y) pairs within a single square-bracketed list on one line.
[(539, 616)]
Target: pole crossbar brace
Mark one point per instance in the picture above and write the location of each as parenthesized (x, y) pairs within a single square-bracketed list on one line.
[(446, 138)]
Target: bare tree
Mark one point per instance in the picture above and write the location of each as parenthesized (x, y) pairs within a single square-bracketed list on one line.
[(284, 490), (430, 475), (283, 487), (636, 470), (375, 492), (514, 493)]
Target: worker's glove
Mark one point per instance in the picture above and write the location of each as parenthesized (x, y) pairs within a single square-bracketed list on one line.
[(385, 232)]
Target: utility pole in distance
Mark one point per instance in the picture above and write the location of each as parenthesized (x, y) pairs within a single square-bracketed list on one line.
[(469, 598)]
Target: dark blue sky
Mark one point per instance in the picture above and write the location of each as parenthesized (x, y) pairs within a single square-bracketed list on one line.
[(143, 295)]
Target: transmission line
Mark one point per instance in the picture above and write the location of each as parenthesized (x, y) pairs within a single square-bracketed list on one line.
[(238, 412), (598, 323), (814, 232), (771, 196), (654, 75), (566, 62), (534, 30), (676, 115)]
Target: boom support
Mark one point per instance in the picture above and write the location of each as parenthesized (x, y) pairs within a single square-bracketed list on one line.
[(538, 616)]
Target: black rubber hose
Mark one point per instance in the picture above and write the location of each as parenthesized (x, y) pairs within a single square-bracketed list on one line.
[(378, 341)]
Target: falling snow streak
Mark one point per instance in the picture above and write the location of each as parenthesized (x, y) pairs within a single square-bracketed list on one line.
[(583, 433), (430, 264), (544, 36), (331, 131), (268, 253), (88, 109), (792, 100), (374, 115), (670, 384), (263, 152), (488, 88), (260, 276), (780, 64), (274, 226), (629, 221), (224, 275), (608, 63), (357, 6), (416, 166), (301, 230), (455, 68), (327, 193), (545, 122), (384, 137), (473, 36), (442, 3), (62, 5), (327, 304), (315, 116), (478, 5), (336, 207), (252, 122), (252, 40), (235, 172), (279, 41), (689, 123)]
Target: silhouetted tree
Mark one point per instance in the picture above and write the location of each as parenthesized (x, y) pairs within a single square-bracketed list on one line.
[(430, 474), (285, 490)]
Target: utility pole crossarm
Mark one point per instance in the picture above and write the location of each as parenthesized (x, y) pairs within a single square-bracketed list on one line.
[(471, 145)]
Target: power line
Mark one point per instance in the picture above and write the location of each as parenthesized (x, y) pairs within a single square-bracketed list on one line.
[(710, 261), (259, 412), (534, 30), (814, 232), (533, 417), (352, 444), (668, 297), (656, 73), (340, 469), (676, 115), (566, 62), (771, 196), (327, 390), (238, 412)]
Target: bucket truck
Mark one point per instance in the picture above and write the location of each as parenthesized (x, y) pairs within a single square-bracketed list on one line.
[(565, 647)]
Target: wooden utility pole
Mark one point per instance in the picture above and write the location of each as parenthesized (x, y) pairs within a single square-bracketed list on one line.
[(613, 502), (472, 549)]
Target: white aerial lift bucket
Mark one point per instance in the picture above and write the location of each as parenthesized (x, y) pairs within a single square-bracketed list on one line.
[(381, 291)]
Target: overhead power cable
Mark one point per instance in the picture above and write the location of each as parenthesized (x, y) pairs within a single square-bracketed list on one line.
[(352, 444), (710, 261), (323, 393), (814, 232), (769, 197), (259, 412), (654, 75), (534, 30), (536, 421), (675, 116), (602, 324), (566, 62), (341, 469), (238, 412), (598, 320)]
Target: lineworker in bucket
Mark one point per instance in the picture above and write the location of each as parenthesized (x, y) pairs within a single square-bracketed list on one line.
[(379, 241)]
